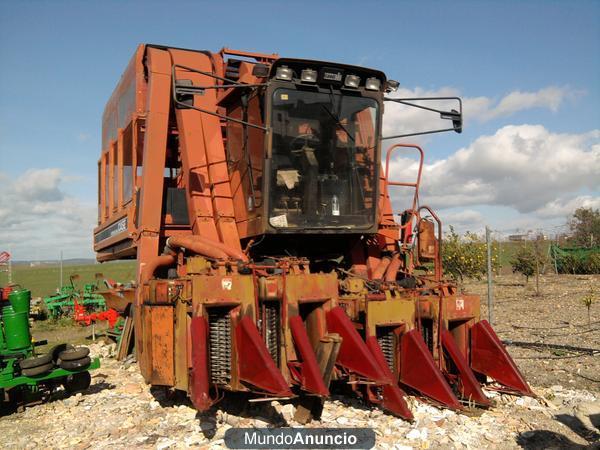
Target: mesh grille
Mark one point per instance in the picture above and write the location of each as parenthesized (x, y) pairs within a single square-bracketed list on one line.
[(385, 339), (219, 325), (272, 322)]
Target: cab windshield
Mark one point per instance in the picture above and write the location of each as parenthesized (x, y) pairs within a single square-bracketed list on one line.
[(323, 160)]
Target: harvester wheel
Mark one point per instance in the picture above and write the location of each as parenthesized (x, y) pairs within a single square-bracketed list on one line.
[(71, 354), (36, 361), (77, 382), (58, 349), (76, 364), (39, 370)]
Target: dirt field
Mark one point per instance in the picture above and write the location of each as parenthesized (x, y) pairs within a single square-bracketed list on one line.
[(556, 316)]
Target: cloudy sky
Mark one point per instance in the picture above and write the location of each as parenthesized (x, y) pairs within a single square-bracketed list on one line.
[(528, 73)]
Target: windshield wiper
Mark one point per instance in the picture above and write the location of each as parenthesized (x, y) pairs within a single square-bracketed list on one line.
[(334, 116)]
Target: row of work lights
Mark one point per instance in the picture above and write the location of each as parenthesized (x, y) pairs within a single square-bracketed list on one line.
[(285, 73)]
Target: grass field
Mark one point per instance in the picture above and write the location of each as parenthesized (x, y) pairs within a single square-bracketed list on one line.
[(44, 280)]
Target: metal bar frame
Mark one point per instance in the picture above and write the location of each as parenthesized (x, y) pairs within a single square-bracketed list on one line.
[(406, 101)]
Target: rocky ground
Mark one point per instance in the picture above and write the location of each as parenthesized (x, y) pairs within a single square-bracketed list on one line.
[(556, 316), (120, 410)]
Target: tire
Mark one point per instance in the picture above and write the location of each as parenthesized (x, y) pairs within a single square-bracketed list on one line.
[(57, 349), (36, 361), (72, 354), (77, 382), (39, 370), (76, 364)]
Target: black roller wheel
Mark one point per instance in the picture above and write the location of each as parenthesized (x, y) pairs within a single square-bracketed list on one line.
[(36, 361), (72, 354), (58, 349), (39, 370), (76, 364), (77, 382)]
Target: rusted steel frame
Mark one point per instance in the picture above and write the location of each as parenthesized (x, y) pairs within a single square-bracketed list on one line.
[(150, 208), (155, 141), (195, 170), (218, 177)]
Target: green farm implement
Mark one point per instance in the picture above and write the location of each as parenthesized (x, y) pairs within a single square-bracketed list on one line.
[(27, 376), (63, 302)]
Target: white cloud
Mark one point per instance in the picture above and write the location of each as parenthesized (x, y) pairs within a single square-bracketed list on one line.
[(565, 207), (38, 219), (400, 119), (524, 167), (464, 219)]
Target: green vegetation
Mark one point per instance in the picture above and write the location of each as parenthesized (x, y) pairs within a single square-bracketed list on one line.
[(588, 301), (44, 280), (466, 256), (524, 262), (585, 227)]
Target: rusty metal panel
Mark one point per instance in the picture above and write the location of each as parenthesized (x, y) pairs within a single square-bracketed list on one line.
[(161, 344), (218, 289), (143, 341), (427, 243), (389, 312), (181, 346)]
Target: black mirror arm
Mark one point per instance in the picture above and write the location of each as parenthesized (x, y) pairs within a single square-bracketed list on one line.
[(455, 116), (397, 136)]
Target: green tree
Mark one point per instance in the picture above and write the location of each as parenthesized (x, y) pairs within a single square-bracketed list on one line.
[(466, 256), (585, 227), (524, 262)]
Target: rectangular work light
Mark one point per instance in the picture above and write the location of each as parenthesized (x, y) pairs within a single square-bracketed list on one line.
[(284, 73), (309, 76), (352, 81), (373, 84)]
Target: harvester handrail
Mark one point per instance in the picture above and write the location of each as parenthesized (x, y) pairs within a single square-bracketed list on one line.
[(414, 185), (438, 257)]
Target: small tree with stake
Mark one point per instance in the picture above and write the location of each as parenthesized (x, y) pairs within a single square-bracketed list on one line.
[(524, 262), (588, 301), (530, 260)]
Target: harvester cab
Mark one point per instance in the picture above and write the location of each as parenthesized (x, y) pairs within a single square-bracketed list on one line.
[(251, 191)]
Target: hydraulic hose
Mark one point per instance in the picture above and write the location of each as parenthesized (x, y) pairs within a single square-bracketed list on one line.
[(392, 270), (159, 261), (196, 244), (379, 271), (206, 247)]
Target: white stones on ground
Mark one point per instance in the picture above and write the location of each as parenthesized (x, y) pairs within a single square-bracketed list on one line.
[(164, 443), (122, 412)]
